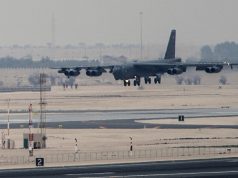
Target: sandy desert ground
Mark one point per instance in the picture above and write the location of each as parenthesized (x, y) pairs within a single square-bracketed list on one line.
[(90, 140), (113, 97)]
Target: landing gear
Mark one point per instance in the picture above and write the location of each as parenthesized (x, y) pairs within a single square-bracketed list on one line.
[(157, 79), (137, 81), (127, 83), (147, 80)]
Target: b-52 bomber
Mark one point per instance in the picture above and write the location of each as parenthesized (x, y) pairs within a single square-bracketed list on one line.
[(147, 69)]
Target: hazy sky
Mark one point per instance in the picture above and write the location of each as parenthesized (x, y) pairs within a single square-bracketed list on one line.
[(117, 21)]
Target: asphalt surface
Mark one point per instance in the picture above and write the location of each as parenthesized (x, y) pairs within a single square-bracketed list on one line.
[(94, 115), (222, 167), (120, 118)]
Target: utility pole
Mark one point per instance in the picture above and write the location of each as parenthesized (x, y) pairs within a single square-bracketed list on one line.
[(43, 104), (3, 140), (76, 150), (30, 137), (30, 118), (131, 146), (141, 42), (76, 146), (8, 117), (53, 31)]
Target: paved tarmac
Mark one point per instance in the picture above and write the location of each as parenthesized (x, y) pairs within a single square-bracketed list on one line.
[(120, 118), (222, 167), (92, 115)]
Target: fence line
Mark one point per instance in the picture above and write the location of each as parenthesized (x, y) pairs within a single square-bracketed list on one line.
[(121, 155)]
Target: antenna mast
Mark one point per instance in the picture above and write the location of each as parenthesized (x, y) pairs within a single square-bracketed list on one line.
[(53, 30), (141, 42), (8, 117), (42, 104)]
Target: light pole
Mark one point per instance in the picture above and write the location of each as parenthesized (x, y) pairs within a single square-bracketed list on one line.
[(76, 156), (8, 117), (30, 136), (131, 146), (141, 42), (76, 145)]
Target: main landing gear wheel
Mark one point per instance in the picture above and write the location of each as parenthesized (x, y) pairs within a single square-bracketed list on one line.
[(157, 80), (147, 80), (136, 82), (127, 83)]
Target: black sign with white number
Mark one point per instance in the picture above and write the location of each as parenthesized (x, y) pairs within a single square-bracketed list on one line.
[(39, 161)]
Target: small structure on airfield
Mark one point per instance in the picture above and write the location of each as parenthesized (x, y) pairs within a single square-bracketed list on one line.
[(37, 140)]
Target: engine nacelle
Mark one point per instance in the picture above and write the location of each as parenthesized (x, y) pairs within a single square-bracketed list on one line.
[(175, 71), (70, 72), (214, 69), (61, 71), (93, 72)]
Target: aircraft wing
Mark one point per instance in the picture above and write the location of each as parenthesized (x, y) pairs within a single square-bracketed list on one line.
[(83, 67), (90, 70), (185, 64), (175, 68), (207, 64)]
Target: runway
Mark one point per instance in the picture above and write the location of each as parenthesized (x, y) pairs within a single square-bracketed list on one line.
[(93, 115), (222, 167), (118, 118)]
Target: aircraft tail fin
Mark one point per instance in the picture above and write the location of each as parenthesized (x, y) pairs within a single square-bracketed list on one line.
[(170, 52)]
